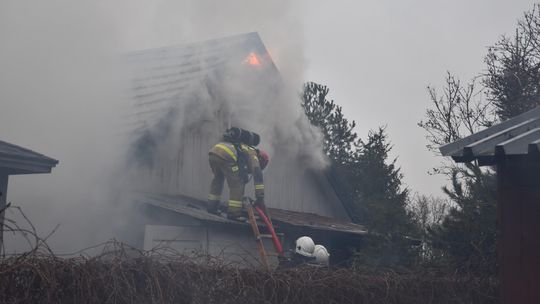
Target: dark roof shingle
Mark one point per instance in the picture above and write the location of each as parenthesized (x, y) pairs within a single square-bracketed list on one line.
[(196, 209)]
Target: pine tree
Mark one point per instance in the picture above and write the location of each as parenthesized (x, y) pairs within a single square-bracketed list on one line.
[(379, 186), (339, 136), (365, 181), (468, 233), (339, 142)]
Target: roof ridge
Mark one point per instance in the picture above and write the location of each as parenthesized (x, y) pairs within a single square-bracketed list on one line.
[(248, 35)]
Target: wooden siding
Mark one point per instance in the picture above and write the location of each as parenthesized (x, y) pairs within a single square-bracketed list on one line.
[(184, 91), (183, 169), (232, 244), (519, 227), (3, 199)]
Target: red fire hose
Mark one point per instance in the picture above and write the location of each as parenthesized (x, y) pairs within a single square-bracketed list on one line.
[(277, 243)]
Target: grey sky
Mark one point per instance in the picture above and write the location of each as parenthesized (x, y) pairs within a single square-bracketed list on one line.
[(64, 91), (377, 57)]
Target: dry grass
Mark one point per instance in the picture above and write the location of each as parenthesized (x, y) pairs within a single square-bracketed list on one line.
[(123, 275)]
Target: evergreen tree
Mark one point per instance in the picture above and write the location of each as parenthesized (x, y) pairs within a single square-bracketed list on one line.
[(365, 181), (379, 186), (340, 142), (468, 233), (339, 137)]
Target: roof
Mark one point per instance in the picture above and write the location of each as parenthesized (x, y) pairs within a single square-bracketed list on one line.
[(163, 74), (197, 209), (171, 81), (18, 160), (519, 135)]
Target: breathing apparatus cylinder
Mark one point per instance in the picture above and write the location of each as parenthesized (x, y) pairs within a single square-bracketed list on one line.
[(239, 135)]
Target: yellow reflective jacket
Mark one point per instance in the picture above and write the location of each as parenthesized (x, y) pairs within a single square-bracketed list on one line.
[(228, 152)]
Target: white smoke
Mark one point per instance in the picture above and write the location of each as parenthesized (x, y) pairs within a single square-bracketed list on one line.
[(65, 92)]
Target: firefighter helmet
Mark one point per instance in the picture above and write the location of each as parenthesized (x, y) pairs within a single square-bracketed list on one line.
[(305, 246), (264, 158), (321, 255)]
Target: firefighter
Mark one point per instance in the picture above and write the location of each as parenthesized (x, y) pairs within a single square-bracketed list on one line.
[(302, 254), (321, 255), (234, 162)]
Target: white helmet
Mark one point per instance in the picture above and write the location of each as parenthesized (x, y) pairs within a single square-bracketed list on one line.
[(305, 246), (321, 255)]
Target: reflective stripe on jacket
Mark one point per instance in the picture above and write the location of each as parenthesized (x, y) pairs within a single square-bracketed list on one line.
[(255, 169), (225, 150)]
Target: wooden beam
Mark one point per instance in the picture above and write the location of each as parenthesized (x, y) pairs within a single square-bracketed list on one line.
[(519, 229), (3, 200)]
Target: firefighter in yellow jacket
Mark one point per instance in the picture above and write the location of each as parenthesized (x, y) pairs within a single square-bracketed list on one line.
[(226, 160)]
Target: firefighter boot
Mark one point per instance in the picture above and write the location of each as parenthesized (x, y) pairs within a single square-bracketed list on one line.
[(212, 207), (234, 211)]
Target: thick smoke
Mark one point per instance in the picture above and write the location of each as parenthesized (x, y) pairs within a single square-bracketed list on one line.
[(62, 92), (65, 92)]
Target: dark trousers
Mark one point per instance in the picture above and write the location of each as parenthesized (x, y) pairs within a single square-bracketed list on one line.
[(225, 170)]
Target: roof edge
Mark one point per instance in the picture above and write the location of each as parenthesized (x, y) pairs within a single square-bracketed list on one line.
[(192, 210), (25, 161), (452, 149)]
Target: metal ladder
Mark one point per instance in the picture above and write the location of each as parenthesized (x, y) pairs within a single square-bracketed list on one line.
[(259, 236)]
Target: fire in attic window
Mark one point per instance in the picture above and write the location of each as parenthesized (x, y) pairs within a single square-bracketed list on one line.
[(252, 59)]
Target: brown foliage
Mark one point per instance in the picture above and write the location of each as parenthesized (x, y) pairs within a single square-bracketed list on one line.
[(124, 275)]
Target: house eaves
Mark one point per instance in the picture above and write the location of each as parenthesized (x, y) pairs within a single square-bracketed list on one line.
[(196, 209), (518, 136), (18, 160)]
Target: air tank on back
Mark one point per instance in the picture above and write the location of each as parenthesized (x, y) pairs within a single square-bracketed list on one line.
[(239, 135)]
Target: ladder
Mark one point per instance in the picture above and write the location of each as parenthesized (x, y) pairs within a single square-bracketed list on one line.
[(259, 237)]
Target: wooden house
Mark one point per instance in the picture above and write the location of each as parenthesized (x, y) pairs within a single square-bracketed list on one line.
[(184, 98)]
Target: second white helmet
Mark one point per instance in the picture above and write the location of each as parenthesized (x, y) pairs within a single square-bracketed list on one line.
[(305, 246), (321, 255)]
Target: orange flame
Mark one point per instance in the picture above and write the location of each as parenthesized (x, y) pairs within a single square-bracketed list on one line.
[(252, 59)]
